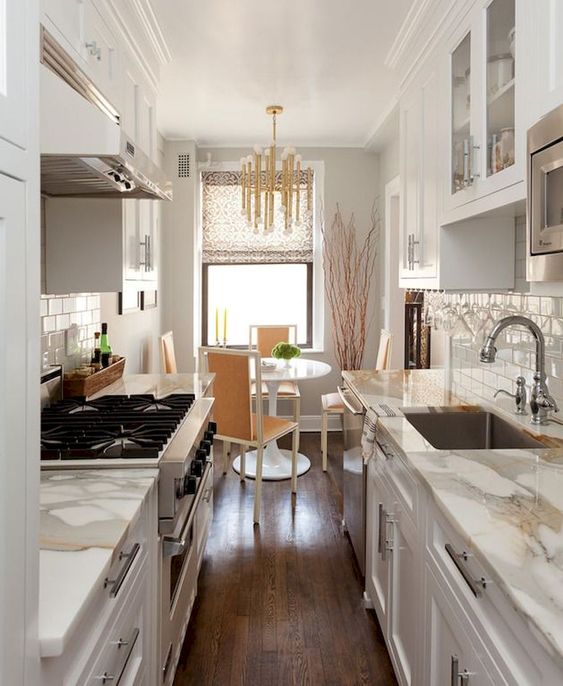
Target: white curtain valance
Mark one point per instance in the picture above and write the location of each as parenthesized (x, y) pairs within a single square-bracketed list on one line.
[(227, 238)]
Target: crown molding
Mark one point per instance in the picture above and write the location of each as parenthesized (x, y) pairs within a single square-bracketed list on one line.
[(411, 24), (153, 30)]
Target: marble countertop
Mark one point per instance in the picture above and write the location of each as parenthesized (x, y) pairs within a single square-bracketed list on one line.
[(159, 384), (85, 516), (507, 505)]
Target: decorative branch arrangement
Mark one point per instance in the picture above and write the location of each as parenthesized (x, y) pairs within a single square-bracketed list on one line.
[(349, 263)]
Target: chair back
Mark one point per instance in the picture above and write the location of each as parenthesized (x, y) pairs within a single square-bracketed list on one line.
[(263, 337), (167, 355), (384, 353), (232, 391)]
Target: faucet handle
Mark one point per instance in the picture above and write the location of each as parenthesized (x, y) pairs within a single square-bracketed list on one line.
[(520, 397)]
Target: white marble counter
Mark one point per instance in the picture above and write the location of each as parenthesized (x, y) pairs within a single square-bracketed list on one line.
[(507, 505), (159, 384), (85, 517)]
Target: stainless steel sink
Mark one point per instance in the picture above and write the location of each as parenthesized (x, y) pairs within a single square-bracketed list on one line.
[(468, 430)]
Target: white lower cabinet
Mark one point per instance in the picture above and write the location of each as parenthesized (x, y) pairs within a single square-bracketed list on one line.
[(442, 626), (116, 640)]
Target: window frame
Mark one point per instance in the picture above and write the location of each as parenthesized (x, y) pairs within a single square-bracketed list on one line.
[(308, 344)]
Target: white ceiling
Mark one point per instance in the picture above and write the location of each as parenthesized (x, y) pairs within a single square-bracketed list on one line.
[(323, 60)]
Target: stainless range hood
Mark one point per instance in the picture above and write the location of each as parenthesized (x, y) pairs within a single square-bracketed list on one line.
[(84, 151)]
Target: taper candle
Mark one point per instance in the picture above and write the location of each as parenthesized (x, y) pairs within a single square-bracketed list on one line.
[(225, 326), (216, 323)]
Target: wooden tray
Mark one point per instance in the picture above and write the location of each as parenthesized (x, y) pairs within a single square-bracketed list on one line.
[(74, 385)]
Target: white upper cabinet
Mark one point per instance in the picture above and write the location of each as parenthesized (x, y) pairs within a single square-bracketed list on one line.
[(13, 73), (485, 150)]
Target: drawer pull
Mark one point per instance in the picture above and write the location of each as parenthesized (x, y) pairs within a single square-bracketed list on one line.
[(458, 677), (106, 678), (207, 495), (459, 559), (120, 578), (380, 516)]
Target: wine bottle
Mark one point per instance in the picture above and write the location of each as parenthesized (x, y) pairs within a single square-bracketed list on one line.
[(97, 354), (105, 347)]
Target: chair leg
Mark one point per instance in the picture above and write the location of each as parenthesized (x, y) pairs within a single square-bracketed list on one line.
[(294, 444), (226, 451), (324, 440), (297, 416), (258, 481), (242, 462)]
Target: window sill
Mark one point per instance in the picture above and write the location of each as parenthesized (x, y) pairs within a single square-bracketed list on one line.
[(312, 351)]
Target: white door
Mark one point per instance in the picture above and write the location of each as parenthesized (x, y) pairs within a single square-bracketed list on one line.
[(405, 627), (377, 556), (13, 72), (132, 248), (13, 427)]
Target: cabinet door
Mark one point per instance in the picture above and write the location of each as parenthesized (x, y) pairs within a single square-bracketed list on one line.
[(377, 556), (451, 656), (410, 163), (13, 426), (405, 594), (13, 73), (132, 248), (130, 87), (147, 240), (146, 124), (425, 253), (67, 18)]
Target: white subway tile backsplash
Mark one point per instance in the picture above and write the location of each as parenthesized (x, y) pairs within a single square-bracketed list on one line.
[(55, 306)]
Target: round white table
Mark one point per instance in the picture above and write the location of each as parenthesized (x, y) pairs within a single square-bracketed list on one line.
[(276, 464)]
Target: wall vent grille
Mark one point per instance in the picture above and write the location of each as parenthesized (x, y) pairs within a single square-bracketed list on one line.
[(184, 165)]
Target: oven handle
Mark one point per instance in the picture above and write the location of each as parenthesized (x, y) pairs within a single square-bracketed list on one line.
[(173, 546), (342, 393)]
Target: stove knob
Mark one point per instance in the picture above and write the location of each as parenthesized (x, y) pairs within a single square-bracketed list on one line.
[(212, 427), (208, 436), (201, 454), (196, 468), (190, 484), (206, 445)]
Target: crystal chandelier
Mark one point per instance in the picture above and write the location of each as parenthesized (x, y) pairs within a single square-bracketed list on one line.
[(261, 180)]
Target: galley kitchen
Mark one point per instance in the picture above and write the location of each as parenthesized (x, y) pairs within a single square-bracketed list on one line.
[(281, 351)]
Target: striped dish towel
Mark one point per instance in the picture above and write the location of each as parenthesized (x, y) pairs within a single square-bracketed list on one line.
[(368, 435)]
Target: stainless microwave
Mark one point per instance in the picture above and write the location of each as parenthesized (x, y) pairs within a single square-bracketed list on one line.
[(545, 199)]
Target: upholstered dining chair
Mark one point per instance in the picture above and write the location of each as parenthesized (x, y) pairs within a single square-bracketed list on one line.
[(236, 422), (167, 355), (331, 403), (263, 338)]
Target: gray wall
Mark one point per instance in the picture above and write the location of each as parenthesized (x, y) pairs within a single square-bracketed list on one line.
[(351, 179)]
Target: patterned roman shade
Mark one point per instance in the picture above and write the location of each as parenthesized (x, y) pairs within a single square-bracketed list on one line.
[(227, 239)]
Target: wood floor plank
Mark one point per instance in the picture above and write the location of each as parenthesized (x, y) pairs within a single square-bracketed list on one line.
[(282, 603)]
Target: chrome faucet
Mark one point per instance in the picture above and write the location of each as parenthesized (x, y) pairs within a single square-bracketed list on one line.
[(541, 402)]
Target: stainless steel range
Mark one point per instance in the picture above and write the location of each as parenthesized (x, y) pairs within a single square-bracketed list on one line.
[(168, 429)]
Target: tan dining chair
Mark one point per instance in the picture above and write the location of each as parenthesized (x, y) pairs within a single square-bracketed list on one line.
[(167, 355), (263, 338), (331, 403), (236, 422)]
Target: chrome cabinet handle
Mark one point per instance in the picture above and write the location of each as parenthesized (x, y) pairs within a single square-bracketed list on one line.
[(207, 495), (473, 173), (105, 677), (389, 542), (94, 50), (457, 677), (117, 583), (466, 163), (342, 392), (476, 585), (413, 243), (148, 266), (381, 515), (409, 251)]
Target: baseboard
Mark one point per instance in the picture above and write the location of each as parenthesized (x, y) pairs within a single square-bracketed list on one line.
[(312, 422)]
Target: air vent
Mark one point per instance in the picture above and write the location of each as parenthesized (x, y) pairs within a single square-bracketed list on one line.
[(130, 148), (184, 165)]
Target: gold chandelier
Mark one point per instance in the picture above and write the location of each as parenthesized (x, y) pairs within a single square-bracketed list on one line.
[(261, 180)]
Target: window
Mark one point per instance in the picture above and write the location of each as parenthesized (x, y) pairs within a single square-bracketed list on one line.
[(258, 278)]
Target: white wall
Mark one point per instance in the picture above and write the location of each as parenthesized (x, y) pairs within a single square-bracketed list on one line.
[(351, 179)]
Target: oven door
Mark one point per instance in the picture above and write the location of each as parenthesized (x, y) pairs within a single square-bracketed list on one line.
[(178, 591), (546, 202)]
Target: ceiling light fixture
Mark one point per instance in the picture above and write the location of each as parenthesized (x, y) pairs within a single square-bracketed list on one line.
[(262, 178)]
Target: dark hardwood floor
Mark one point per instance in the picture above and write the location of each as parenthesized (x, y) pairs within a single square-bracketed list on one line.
[(282, 603)]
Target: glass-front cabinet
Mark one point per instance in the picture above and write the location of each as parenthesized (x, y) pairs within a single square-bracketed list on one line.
[(485, 154)]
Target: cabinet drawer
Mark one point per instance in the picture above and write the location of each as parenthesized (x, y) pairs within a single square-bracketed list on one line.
[(120, 657), (486, 606)]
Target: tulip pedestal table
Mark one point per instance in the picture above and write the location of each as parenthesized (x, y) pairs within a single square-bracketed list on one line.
[(276, 464)]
